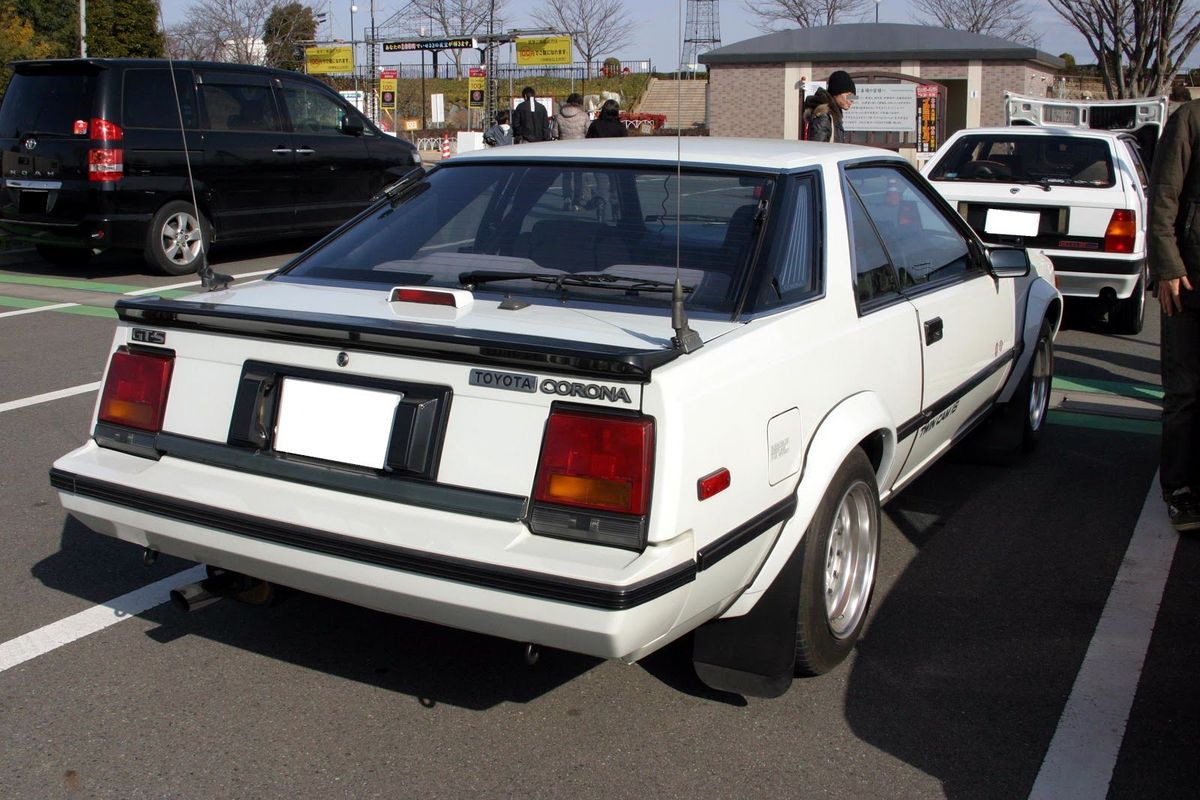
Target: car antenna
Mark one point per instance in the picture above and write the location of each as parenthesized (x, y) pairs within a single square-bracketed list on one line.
[(210, 280), (685, 338)]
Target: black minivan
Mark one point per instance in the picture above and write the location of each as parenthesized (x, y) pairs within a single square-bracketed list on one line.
[(93, 157)]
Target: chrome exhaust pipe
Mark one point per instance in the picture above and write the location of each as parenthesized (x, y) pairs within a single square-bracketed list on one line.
[(219, 584)]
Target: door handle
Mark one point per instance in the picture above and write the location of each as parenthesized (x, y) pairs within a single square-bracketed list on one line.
[(281, 151), (304, 151), (933, 330)]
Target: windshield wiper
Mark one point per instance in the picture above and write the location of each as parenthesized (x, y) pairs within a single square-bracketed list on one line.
[(1042, 182), (600, 280)]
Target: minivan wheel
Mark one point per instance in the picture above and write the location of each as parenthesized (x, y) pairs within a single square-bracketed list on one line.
[(174, 242), (63, 256)]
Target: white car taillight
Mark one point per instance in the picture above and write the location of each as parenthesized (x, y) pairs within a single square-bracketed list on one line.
[(135, 391), (593, 478)]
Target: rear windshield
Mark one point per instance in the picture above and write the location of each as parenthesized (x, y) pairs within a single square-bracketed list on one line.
[(1010, 158), (464, 224), (44, 103)]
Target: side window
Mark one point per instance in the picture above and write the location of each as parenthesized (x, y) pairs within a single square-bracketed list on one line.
[(148, 99), (874, 279), (794, 268), (239, 106), (923, 244), (312, 111), (1135, 157)]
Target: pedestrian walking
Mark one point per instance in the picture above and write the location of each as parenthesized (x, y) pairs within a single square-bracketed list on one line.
[(823, 109), (530, 120), (608, 123), (1173, 244)]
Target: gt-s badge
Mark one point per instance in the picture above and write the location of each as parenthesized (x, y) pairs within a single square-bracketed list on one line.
[(148, 336)]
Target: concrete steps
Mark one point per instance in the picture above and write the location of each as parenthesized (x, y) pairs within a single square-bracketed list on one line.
[(684, 103)]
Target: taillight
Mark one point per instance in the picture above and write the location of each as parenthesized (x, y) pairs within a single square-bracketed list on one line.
[(135, 391), (1121, 232), (596, 469), (105, 163)]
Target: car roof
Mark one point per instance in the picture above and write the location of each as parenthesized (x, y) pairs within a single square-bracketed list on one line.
[(773, 154), (1041, 130)]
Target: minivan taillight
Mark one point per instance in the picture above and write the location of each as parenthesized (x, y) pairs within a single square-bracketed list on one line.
[(1121, 232), (593, 478), (135, 391), (105, 163)]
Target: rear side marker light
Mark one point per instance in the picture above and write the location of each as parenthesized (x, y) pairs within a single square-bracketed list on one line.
[(713, 483), (135, 390), (1121, 232)]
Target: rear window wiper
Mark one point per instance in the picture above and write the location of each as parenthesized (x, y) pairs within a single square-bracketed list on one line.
[(469, 280), (1042, 182)]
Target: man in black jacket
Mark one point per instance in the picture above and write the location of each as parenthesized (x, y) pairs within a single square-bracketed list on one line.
[(530, 121), (1173, 244)]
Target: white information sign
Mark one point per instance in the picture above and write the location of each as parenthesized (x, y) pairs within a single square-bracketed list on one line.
[(883, 107), (437, 108)]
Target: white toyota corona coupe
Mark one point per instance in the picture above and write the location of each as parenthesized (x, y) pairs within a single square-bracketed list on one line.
[(593, 395)]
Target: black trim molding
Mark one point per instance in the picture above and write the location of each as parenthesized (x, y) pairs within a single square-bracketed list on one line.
[(532, 584), (745, 533), (909, 427)]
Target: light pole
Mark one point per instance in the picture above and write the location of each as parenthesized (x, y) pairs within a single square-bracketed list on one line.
[(354, 55), (877, 2)]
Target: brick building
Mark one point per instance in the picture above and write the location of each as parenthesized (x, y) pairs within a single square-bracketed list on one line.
[(756, 86)]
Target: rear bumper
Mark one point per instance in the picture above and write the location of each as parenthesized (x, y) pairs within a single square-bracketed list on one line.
[(1081, 276), (483, 575), (92, 232)]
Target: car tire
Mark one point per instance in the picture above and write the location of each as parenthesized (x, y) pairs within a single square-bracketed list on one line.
[(1128, 316), (839, 560), (63, 256), (176, 239)]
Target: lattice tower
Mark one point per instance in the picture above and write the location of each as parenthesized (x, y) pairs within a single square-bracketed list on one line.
[(702, 31)]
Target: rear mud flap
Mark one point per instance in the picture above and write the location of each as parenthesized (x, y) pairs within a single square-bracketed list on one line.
[(754, 654)]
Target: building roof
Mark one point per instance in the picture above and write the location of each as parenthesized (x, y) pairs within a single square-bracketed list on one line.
[(869, 41)]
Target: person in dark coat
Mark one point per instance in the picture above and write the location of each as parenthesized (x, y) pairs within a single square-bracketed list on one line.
[(608, 123), (499, 134), (823, 109), (530, 120), (1173, 248)]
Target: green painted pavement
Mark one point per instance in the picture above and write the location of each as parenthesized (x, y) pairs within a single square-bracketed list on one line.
[(81, 310), (1075, 419), (86, 286), (1137, 391)]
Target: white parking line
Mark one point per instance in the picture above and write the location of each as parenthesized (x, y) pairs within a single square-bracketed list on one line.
[(36, 309), (1080, 760), (97, 618), (12, 405)]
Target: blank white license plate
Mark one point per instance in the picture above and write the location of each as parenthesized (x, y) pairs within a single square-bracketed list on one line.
[(336, 423), (1011, 223)]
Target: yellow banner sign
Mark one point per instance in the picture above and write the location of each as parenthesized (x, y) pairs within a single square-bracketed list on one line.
[(544, 50), (329, 60)]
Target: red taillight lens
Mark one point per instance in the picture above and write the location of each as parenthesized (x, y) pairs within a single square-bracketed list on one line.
[(135, 391), (596, 461), (106, 131), (106, 164), (1121, 232)]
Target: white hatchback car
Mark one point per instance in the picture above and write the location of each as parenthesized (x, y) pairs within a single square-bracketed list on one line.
[(1078, 195), (580, 394)]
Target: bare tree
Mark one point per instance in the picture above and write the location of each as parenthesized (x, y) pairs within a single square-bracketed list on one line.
[(775, 14), (596, 26), (1139, 44), (223, 30), (1007, 19), (451, 18)]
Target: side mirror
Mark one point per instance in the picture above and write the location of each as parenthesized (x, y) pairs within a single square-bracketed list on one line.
[(1008, 262), (352, 126)]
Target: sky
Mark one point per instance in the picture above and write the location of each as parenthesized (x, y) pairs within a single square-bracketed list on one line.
[(658, 29)]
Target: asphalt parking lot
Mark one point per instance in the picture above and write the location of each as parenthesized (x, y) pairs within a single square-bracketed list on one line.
[(1017, 646)]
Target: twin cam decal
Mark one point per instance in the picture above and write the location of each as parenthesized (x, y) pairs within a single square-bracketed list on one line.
[(518, 382)]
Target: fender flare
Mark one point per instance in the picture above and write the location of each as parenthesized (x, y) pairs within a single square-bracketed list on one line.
[(847, 424), (1042, 301)]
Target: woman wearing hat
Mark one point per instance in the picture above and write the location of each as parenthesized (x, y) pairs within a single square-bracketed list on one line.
[(823, 109)]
